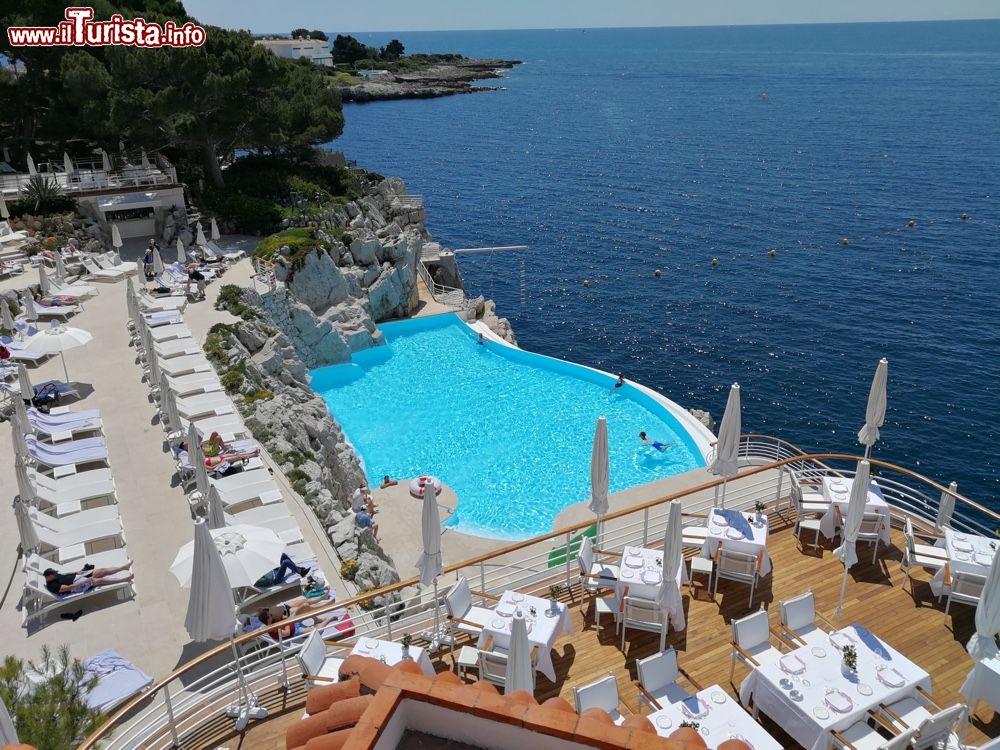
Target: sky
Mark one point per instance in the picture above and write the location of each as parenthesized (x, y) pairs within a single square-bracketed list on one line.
[(442, 15)]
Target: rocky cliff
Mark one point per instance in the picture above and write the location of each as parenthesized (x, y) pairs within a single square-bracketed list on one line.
[(444, 79)]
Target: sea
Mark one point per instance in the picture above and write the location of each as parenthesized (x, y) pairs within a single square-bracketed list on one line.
[(814, 198)]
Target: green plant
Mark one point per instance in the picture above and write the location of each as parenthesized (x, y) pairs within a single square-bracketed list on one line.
[(232, 379), (555, 591), (42, 195), (348, 569), (47, 701), (760, 506), (261, 395), (231, 299), (849, 654), (407, 640), (690, 724)]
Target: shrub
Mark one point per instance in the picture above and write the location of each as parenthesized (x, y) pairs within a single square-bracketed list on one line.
[(261, 395), (300, 240), (247, 213), (42, 195), (232, 380), (231, 299)]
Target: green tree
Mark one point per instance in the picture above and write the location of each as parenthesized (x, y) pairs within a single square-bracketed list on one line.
[(319, 35), (300, 33), (46, 700), (393, 50), (347, 49)]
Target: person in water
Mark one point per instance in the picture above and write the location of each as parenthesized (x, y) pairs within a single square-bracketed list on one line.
[(482, 341), (621, 381), (654, 443)]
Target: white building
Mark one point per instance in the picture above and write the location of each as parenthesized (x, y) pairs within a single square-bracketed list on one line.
[(314, 50)]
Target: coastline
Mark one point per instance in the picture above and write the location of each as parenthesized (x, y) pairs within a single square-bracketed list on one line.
[(444, 79)]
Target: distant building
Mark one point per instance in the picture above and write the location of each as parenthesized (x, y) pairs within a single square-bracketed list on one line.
[(314, 50)]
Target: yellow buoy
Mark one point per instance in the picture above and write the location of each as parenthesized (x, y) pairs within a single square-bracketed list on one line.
[(844, 242), (715, 261)]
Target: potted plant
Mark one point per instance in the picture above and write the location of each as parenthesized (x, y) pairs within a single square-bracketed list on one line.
[(849, 661), (687, 732), (407, 640), (554, 592), (760, 506)]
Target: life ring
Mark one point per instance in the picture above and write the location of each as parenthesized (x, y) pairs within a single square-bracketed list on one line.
[(418, 484)]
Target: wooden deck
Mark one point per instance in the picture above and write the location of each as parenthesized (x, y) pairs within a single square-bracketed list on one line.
[(875, 598)]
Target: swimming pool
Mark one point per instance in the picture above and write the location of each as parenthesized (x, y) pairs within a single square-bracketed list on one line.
[(510, 431)]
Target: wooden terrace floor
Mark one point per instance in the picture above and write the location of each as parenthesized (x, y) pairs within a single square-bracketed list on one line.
[(875, 599)]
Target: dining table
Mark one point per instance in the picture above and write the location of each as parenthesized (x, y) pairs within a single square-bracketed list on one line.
[(738, 532), (837, 492), (390, 652), (719, 718), (546, 622), (809, 693), (967, 553), (641, 573)]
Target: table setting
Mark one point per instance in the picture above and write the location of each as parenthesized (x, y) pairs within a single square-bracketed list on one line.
[(545, 621), (837, 492), (641, 572), (967, 553), (390, 652), (738, 532), (719, 718)]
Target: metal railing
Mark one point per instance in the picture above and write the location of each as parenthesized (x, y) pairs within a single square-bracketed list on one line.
[(446, 295), (407, 202), (198, 692), (89, 176)]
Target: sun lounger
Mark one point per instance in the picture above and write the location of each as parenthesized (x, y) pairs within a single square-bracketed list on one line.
[(112, 558), (266, 493), (177, 271), (204, 404), (150, 304), (67, 524), (169, 333), (56, 311), (187, 365), (60, 286), (97, 273), (78, 543), (16, 347), (111, 261), (171, 317), (286, 527), (57, 430), (228, 425), (190, 385), (9, 235), (213, 251), (39, 602), (176, 348), (67, 495), (255, 516), (49, 455), (117, 680), (71, 446)]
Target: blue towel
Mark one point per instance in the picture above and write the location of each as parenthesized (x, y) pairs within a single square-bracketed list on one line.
[(737, 521), (874, 644)]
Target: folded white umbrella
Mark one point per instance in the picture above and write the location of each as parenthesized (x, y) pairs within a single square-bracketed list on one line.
[(61, 267), (17, 439), (31, 166), (4, 211), (210, 614), (8, 735), (875, 411), (43, 280), (168, 406), (145, 161), (105, 161), (669, 595), (28, 311), (727, 447), (116, 236), (214, 231), (6, 319), (983, 644), (946, 507), (215, 515), (846, 552), (25, 528), (181, 255), (429, 564), (520, 675), (247, 552), (196, 457), (599, 473), (58, 339), (24, 382), (24, 486), (68, 164), (157, 261), (200, 236)]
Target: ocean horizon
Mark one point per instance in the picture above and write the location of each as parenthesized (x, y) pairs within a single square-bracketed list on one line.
[(617, 152)]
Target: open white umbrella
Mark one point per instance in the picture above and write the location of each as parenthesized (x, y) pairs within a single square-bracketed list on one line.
[(181, 255), (68, 164), (599, 473), (846, 552), (983, 645), (8, 734), (429, 564), (28, 311), (58, 339), (520, 675), (43, 281), (727, 447), (116, 236), (25, 528), (199, 238), (214, 231), (61, 267), (946, 507), (105, 161), (669, 595), (157, 262), (196, 456), (4, 211), (31, 165), (6, 319), (215, 516), (875, 412), (247, 552)]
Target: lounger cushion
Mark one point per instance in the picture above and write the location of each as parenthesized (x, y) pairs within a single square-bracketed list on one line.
[(371, 672), (332, 741), (345, 713), (300, 732), (321, 698)]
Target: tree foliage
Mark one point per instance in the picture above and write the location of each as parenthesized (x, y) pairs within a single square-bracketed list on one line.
[(46, 700), (307, 34), (393, 50), (347, 49)]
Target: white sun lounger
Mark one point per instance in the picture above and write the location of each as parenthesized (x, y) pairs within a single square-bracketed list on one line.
[(78, 543), (112, 558), (67, 494), (228, 425), (150, 304), (40, 602), (267, 493), (191, 385), (176, 348), (177, 271), (67, 524), (211, 250), (97, 273), (111, 261), (117, 680), (255, 516), (73, 290), (60, 431), (170, 317), (45, 454), (160, 334), (17, 349), (55, 311), (204, 405), (187, 365), (73, 446)]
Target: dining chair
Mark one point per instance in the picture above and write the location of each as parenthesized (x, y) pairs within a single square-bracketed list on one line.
[(594, 575), (463, 617), (602, 694), (741, 567), (939, 729), (800, 621), (911, 710), (658, 680), (643, 614), (751, 642), (963, 587), (863, 736), (871, 531), (317, 667), (806, 519), (920, 555)]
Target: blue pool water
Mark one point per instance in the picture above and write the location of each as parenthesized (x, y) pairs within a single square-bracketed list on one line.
[(511, 432), (618, 151)]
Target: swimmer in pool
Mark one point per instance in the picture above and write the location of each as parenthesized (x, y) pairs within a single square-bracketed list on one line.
[(621, 381), (655, 444), (482, 341)]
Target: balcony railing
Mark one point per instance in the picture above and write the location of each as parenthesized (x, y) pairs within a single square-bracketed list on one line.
[(89, 176)]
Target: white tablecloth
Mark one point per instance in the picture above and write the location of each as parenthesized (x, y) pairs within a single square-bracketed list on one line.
[(983, 684), (967, 553), (837, 491), (544, 629), (641, 573), (724, 719), (727, 534), (392, 653), (797, 718)]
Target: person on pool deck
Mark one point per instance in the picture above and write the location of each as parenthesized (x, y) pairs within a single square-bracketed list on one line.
[(621, 381), (274, 615), (212, 461), (363, 520), (88, 578), (276, 576), (387, 481), (362, 500), (56, 300), (653, 443)]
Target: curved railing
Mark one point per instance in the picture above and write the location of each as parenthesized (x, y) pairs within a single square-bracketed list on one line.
[(195, 694)]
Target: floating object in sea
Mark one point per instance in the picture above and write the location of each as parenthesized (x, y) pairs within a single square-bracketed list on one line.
[(963, 216), (911, 223), (844, 242), (715, 261), (772, 252), (764, 96), (586, 282), (657, 273)]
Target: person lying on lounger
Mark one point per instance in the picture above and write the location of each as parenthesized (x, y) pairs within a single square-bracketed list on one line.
[(87, 578), (301, 606), (276, 576), (56, 300), (230, 458)]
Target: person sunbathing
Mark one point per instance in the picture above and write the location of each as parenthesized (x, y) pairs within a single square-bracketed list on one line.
[(212, 462), (56, 300), (86, 578), (300, 606)]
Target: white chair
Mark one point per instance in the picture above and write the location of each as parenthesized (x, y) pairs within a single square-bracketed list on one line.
[(602, 694), (871, 531), (643, 614), (808, 519), (658, 675), (808, 493), (467, 657), (741, 567), (318, 668), (493, 667), (799, 620), (963, 587), (921, 555), (694, 534), (594, 575), (862, 736), (938, 730), (462, 615), (752, 642), (911, 711)]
